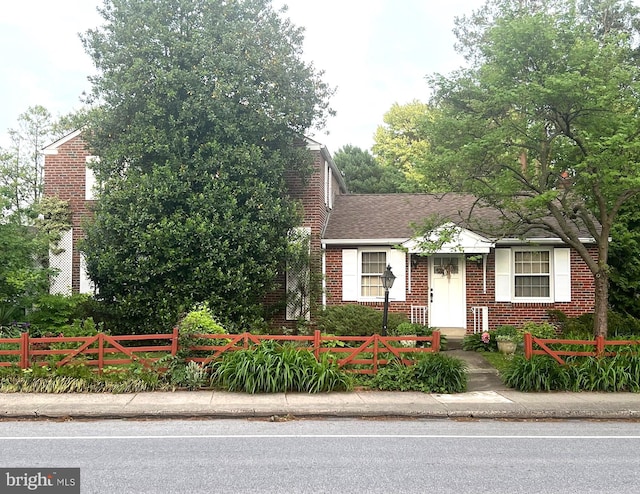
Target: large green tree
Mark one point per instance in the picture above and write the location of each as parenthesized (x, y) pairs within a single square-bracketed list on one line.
[(22, 163), (544, 123), (401, 144), (363, 174), (202, 104)]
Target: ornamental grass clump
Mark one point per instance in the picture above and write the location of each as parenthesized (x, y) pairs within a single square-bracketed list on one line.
[(273, 368), (431, 373), (606, 374)]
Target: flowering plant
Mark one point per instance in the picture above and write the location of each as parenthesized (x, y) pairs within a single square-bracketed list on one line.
[(486, 337)]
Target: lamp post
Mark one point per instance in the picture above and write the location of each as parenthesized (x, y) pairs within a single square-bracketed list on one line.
[(387, 282)]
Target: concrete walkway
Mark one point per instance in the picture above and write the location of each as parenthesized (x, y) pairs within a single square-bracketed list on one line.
[(487, 397)]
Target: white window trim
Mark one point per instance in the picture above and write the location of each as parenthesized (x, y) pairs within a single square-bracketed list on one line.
[(525, 300)]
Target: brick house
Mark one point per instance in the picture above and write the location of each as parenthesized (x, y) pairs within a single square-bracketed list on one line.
[(67, 176), (473, 282), (476, 282)]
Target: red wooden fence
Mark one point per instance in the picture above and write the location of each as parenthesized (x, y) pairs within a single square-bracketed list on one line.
[(599, 345), (103, 350)]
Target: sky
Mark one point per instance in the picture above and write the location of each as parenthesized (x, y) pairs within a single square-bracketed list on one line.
[(373, 52)]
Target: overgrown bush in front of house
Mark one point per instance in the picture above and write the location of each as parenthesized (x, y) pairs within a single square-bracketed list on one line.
[(274, 368), (53, 314), (431, 373), (356, 320), (543, 373)]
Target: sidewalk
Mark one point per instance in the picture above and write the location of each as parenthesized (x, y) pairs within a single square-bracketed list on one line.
[(487, 397)]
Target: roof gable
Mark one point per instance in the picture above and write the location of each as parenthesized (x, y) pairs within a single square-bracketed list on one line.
[(450, 238)]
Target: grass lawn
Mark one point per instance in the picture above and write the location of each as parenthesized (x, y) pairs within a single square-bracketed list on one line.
[(498, 360)]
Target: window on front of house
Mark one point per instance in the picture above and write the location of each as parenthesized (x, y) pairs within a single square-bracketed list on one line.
[(532, 274), (373, 266)]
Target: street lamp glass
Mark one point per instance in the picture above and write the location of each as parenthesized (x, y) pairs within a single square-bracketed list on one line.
[(388, 278)]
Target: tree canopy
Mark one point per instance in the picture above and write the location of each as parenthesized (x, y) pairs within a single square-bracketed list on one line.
[(201, 105), (363, 174), (401, 144), (544, 123)]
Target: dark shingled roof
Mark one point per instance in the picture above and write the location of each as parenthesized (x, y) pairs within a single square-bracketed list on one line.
[(391, 216)]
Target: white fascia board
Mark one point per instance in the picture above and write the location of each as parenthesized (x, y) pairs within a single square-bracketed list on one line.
[(53, 147), (363, 241), (316, 146), (545, 240)]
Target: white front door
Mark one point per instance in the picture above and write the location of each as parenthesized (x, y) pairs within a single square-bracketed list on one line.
[(446, 291)]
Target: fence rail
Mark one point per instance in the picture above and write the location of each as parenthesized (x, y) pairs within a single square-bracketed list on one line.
[(601, 347), (360, 354)]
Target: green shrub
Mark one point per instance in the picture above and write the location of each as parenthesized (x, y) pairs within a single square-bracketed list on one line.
[(273, 368), (356, 320), (52, 313), (200, 320), (507, 330), (431, 373), (539, 330)]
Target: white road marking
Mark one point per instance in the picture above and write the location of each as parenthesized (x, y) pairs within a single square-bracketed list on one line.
[(311, 436)]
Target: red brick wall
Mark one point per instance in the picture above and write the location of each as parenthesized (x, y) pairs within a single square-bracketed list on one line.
[(500, 313), (64, 177), (309, 191)]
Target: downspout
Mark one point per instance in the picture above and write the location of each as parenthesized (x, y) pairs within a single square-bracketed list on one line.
[(324, 277)]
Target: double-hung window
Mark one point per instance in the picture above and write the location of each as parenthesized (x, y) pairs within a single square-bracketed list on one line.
[(372, 268), (532, 274)]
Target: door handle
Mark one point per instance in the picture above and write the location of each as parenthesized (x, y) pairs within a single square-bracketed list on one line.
[(431, 295)]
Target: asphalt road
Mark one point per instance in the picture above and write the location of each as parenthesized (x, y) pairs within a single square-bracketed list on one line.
[(325, 456)]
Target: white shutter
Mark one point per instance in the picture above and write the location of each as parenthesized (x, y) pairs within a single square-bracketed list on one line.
[(562, 275), (90, 178), (503, 275), (350, 284), (398, 263), (86, 285)]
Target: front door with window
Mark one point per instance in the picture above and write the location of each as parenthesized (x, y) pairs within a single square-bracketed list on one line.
[(446, 292)]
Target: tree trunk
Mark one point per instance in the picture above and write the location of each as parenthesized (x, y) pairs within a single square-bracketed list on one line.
[(601, 279)]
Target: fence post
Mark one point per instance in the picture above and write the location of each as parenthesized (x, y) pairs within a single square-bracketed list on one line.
[(599, 346), (24, 350), (375, 353), (316, 343), (528, 346), (435, 341), (100, 352), (174, 342)]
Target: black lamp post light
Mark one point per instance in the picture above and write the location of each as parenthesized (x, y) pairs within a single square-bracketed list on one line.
[(387, 282)]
